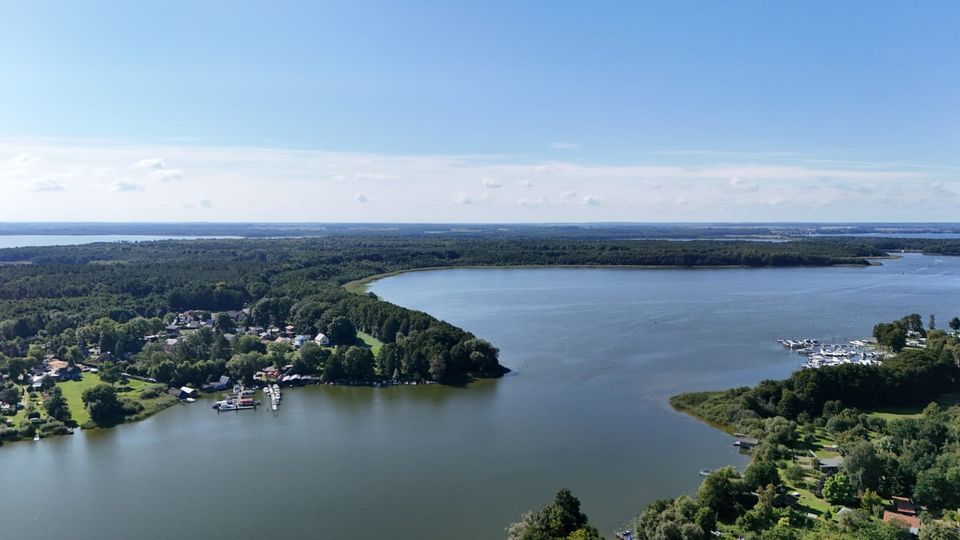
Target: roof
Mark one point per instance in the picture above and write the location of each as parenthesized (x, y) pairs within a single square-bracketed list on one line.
[(833, 462), (903, 505), (57, 364), (912, 522)]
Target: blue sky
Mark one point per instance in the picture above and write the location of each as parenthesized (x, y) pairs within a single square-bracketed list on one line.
[(480, 111)]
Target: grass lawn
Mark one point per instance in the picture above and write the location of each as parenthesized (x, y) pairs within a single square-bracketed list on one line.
[(810, 501), (370, 341), (73, 391), (915, 411)]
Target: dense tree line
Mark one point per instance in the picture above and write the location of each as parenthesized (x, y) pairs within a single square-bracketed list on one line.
[(123, 280)]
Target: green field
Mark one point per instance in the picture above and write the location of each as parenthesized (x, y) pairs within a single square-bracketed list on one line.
[(370, 341), (73, 391), (916, 411)]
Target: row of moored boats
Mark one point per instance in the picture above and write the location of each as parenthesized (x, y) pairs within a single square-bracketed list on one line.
[(820, 355)]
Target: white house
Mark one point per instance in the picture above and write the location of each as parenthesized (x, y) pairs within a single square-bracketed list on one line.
[(298, 341), (322, 339)]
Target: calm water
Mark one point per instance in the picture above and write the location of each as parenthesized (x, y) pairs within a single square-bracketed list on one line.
[(30, 240), (596, 354)]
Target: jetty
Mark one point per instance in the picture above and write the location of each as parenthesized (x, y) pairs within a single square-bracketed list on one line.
[(240, 400), (273, 392)]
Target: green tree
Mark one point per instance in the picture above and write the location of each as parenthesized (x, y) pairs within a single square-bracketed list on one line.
[(837, 489), (247, 343), (103, 405), (720, 492), (10, 395), (759, 474), (57, 406), (871, 502), (341, 331), (954, 324), (109, 372), (358, 363), (940, 530), (243, 366), (795, 473), (863, 467), (225, 323)]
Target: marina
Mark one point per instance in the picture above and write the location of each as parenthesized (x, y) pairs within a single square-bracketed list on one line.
[(240, 400), (857, 351)]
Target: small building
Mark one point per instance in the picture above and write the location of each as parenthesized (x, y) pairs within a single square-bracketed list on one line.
[(267, 374), (322, 339), (904, 505), (746, 443), (911, 523), (61, 370), (187, 392), (831, 464), (300, 340), (216, 386)]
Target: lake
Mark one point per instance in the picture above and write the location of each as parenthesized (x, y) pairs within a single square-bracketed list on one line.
[(595, 352), (31, 240)]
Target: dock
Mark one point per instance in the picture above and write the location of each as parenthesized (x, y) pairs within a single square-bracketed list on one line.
[(240, 400), (275, 396)]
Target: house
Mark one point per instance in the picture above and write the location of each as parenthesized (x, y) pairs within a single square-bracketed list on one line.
[(322, 339), (222, 384), (298, 341), (289, 330), (187, 392), (831, 464), (746, 443), (904, 505), (61, 370), (912, 523), (267, 374)]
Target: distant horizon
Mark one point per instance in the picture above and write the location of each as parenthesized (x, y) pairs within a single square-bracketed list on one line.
[(491, 223)]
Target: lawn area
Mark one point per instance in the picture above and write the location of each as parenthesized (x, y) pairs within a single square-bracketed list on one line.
[(370, 341), (809, 500), (915, 411), (73, 391)]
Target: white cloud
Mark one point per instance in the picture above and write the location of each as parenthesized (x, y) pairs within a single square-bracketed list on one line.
[(44, 184), (743, 185), (591, 200), (125, 185), (206, 203), (167, 175), (533, 202), (22, 159), (378, 177), (491, 183), (545, 168), (150, 163), (274, 184), (568, 195), (360, 198)]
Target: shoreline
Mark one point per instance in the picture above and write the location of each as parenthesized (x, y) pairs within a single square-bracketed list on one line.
[(360, 286)]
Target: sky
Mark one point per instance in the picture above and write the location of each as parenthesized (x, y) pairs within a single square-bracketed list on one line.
[(486, 111)]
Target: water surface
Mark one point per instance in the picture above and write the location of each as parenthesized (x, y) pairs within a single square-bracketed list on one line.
[(31, 240), (596, 354)]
